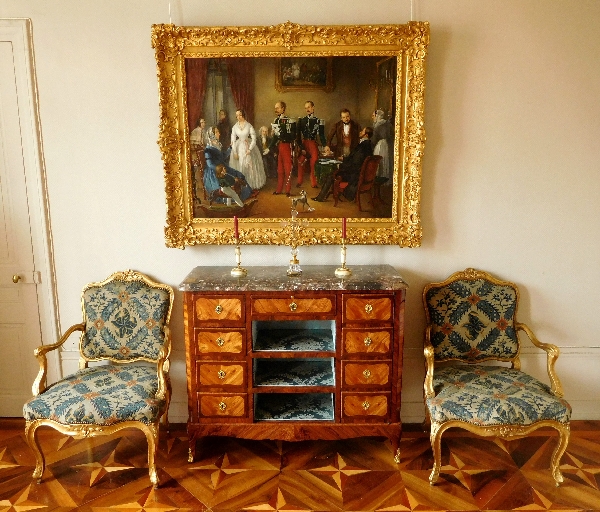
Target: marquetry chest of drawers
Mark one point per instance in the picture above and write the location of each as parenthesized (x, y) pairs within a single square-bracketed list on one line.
[(309, 357)]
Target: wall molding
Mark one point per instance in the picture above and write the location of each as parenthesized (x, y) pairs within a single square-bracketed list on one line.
[(573, 363)]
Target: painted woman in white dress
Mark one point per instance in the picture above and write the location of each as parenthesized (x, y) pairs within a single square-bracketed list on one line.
[(245, 155)]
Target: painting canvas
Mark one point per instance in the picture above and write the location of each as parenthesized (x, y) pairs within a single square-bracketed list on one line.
[(254, 128)]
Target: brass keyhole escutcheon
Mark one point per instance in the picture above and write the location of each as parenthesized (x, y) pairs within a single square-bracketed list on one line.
[(368, 341), (16, 278), (222, 406), (366, 405), (369, 309), (293, 306), (221, 374), (367, 373), (220, 341), (219, 309)]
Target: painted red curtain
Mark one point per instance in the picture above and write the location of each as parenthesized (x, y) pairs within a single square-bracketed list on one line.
[(196, 72), (241, 79)]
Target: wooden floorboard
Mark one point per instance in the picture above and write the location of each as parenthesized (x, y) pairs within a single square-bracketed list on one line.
[(110, 473)]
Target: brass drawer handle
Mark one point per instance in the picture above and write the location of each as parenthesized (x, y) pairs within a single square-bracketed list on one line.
[(219, 309), (368, 341), (293, 306), (369, 309), (367, 373), (220, 341), (221, 374), (366, 405), (222, 406)]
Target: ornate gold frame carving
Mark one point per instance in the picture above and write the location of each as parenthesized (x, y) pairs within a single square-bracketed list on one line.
[(407, 43)]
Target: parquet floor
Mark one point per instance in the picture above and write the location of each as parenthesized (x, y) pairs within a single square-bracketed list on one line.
[(109, 473)]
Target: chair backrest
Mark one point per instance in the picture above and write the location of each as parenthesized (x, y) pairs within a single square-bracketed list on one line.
[(471, 317), (125, 317), (368, 171)]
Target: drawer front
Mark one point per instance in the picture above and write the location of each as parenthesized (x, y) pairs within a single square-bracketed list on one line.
[(233, 406), (220, 342), (367, 374), (365, 404), (293, 306), (217, 374), (211, 309), (367, 342), (374, 308)]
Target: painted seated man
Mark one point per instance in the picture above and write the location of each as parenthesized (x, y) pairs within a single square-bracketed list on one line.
[(349, 170)]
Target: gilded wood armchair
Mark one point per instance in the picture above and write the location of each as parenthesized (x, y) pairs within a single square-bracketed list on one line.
[(471, 319), (125, 323)]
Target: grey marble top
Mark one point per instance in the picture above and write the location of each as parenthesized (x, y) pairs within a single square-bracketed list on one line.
[(314, 277)]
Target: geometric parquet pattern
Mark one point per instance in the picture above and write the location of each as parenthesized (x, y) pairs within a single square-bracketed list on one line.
[(109, 473)]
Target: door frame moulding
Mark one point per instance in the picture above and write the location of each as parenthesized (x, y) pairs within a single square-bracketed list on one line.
[(19, 32)]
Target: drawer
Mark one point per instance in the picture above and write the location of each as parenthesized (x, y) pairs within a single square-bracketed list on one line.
[(368, 308), (362, 341), (220, 405), (220, 342), (365, 404), (363, 373), (221, 374), (296, 306), (223, 308)]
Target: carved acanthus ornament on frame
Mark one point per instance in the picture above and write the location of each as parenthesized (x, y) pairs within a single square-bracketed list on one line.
[(407, 43)]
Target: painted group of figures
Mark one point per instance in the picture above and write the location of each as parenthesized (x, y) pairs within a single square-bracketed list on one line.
[(237, 161)]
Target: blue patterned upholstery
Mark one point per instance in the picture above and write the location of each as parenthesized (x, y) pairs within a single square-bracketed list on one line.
[(102, 395), (124, 320), (472, 320), (493, 395)]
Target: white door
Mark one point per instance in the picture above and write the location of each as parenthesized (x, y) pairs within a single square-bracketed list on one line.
[(20, 280)]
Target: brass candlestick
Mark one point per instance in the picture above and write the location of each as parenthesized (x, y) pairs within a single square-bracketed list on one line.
[(238, 270), (343, 271)]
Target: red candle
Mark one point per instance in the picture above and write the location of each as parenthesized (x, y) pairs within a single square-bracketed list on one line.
[(236, 232), (344, 227)]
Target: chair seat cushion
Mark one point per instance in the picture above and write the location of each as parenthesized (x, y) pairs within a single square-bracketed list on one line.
[(493, 395), (102, 395)]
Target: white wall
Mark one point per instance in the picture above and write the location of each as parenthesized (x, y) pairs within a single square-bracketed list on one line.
[(510, 175)]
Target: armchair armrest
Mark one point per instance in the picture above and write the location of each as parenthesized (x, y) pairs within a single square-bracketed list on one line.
[(163, 365), (39, 384), (429, 360), (552, 351)]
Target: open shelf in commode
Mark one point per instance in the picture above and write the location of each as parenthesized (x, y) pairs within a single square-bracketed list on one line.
[(299, 372), (294, 407), (293, 336)]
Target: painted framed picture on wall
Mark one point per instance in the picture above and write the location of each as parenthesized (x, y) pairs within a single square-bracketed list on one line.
[(327, 120)]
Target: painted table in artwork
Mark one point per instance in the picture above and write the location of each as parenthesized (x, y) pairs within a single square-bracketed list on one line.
[(294, 358)]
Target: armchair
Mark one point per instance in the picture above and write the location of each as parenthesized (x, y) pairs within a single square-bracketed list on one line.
[(125, 323), (471, 319)]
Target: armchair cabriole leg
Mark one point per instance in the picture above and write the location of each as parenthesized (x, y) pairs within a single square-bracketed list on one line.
[(564, 432), (436, 446), (34, 445), (151, 432)]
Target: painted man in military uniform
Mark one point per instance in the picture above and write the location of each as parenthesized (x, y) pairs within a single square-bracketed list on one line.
[(311, 135), (284, 136)]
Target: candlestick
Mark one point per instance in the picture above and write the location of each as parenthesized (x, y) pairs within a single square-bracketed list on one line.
[(343, 271), (238, 270)]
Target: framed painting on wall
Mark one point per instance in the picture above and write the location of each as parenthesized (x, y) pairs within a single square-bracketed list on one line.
[(221, 95)]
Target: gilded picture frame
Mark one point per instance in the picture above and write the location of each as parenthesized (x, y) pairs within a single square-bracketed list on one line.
[(396, 53)]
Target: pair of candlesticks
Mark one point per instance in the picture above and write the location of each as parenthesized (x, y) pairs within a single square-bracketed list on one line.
[(294, 268)]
